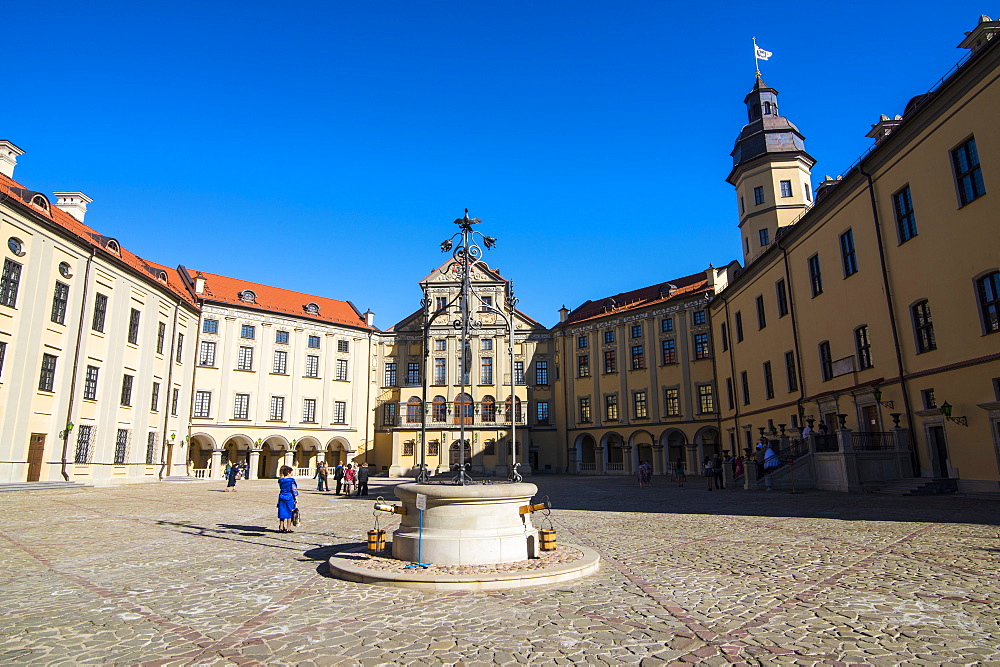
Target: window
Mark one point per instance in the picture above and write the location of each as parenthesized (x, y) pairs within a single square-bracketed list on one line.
[(83, 450), (583, 366), (930, 401), (786, 188), (906, 220), (743, 207), (968, 174), (248, 331), (761, 315), (210, 326), (100, 312), (701, 348), (485, 344), (440, 302), (339, 412), (988, 290), (151, 448), (489, 409), (127, 390), (343, 346), (862, 341), (60, 299), (175, 402), (815, 276), (47, 378), (542, 412), (923, 327), (825, 361), (791, 373), (638, 357), (487, 303), (768, 381), (312, 366), (541, 373), (340, 370), (389, 414), (706, 399), (309, 410), (439, 409), (582, 342), (636, 331), (518, 372), (611, 408), (764, 236), (202, 404), (121, 447), (154, 399), (672, 401), (758, 195), (730, 400), (667, 324), (745, 385), (610, 361), (206, 353), (585, 410), (486, 370), (90, 383), (241, 406), (245, 360), (3, 353), (390, 374), (809, 192), (313, 342), (9, 283), (408, 448), (847, 253), (280, 337), (180, 348), (609, 335), (440, 370), (724, 336), (280, 365), (640, 406), (133, 328), (781, 295), (277, 408), (440, 345), (739, 326)]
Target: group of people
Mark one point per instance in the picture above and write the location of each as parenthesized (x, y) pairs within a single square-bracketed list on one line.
[(645, 474), (346, 477), (713, 471)]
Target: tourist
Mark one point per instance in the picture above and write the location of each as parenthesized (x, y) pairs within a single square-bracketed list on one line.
[(322, 477), (288, 491), (338, 476), (681, 478), (349, 477), (362, 477), (708, 471), (737, 466), (232, 474), (644, 473), (770, 458), (717, 471)]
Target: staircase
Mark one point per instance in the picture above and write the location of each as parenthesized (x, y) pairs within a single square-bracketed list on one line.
[(42, 486), (184, 478), (919, 486)]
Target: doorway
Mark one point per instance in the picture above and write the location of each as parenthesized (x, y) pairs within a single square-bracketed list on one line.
[(869, 414), (939, 451), (36, 453)]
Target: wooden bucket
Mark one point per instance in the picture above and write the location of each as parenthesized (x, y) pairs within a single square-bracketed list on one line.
[(376, 541), (547, 539)]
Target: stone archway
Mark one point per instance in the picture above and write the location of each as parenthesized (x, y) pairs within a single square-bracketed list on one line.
[(641, 442), (586, 455), (675, 448), (614, 453)]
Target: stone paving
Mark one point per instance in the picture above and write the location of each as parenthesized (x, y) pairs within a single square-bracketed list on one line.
[(184, 574)]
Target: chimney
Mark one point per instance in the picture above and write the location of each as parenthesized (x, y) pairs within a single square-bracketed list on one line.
[(74, 203), (8, 157), (369, 317), (883, 127), (199, 284), (563, 313), (710, 276)]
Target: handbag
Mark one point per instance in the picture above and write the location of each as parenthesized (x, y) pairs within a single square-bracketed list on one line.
[(295, 516)]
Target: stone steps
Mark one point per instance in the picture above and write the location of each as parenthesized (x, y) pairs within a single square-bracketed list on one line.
[(919, 486), (42, 486)]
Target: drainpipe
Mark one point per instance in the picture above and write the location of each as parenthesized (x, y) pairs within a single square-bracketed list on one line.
[(170, 392), (76, 365), (892, 314), (730, 334), (368, 396), (795, 324)]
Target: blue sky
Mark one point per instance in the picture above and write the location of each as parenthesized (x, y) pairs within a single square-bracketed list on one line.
[(326, 147)]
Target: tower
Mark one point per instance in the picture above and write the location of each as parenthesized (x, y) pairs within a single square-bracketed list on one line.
[(771, 171)]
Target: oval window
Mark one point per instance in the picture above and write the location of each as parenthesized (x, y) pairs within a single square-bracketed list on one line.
[(65, 270), (16, 246)]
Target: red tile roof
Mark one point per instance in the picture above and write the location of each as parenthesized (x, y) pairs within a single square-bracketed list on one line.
[(686, 287)]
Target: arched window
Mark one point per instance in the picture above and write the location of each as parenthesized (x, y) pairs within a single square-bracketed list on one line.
[(767, 108), (517, 409), (248, 295), (489, 409), (463, 409), (413, 407), (439, 409)]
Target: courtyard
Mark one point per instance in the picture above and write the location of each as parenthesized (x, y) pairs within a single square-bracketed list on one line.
[(179, 573)]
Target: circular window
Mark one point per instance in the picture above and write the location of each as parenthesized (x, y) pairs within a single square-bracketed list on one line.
[(64, 270), (16, 246)]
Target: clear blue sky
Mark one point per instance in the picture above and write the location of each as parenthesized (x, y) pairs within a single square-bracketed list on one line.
[(327, 146)]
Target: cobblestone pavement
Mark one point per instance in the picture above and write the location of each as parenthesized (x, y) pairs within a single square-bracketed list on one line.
[(182, 573)]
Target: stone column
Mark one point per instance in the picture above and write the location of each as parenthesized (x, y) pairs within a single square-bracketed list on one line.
[(901, 442), (749, 474), (628, 451), (727, 474), (215, 465), (395, 466), (502, 468), (572, 463), (692, 464), (288, 458), (657, 462), (602, 463), (254, 462)]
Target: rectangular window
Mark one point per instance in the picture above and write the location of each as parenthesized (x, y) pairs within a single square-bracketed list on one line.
[(312, 366), (781, 295), (930, 401), (180, 348), (638, 357), (610, 361), (389, 414), (440, 345), (791, 373), (730, 400), (724, 336), (175, 402), (486, 370), (758, 195), (161, 335), (672, 402), (745, 385), (9, 283), (83, 442), (339, 412), (340, 370), (761, 315), (202, 404), (343, 346), (667, 324), (309, 410), (390, 374), (786, 188), (863, 342), (585, 410), (739, 326), (121, 447), (485, 344), (277, 408), (248, 331), (47, 378), (127, 390), (988, 291), (133, 327), (60, 299), (206, 353), (3, 353), (313, 342), (151, 448), (518, 372), (210, 326), (280, 337), (90, 383), (241, 406), (825, 361), (768, 381), (583, 366), (440, 370), (245, 360), (609, 335), (698, 317), (542, 373), (280, 365), (968, 174), (815, 276), (923, 327), (701, 347), (906, 219), (542, 412), (611, 408), (848, 254), (582, 342), (154, 399), (487, 302), (809, 193), (706, 399), (636, 331), (640, 406), (440, 302), (764, 236), (100, 312)]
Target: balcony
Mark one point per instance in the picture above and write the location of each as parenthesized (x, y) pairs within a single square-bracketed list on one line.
[(454, 423)]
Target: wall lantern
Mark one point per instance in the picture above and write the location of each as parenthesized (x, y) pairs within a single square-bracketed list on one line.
[(877, 393), (946, 411)]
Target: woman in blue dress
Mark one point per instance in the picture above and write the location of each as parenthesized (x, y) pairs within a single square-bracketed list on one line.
[(286, 499), (232, 474)]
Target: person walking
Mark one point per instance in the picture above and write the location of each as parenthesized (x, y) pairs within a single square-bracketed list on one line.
[(709, 473), (362, 476), (349, 477), (232, 474), (681, 477), (338, 476), (288, 492), (322, 476), (717, 471)]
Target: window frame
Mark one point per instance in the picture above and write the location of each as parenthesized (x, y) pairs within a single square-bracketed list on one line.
[(201, 408), (975, 185), (244, 359), (134, 320), (640, 404), (989, 308), (10, 282), (47, 375), (863, 347), (815, 275), (60, 302), (241, 406), (848, 253), (906, 218), (923, 326)]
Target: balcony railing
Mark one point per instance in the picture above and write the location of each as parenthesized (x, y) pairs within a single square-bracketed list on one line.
[(201, 473), (615, 467), (588, 467), (303, 472), (826, 443), (453, 423), (873, 442)]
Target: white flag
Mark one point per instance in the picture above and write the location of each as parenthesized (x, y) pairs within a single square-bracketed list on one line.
[(762, 54)]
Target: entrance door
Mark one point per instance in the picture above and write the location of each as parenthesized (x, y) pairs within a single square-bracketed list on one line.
[(939, 451), (870, 415), (36, 452)]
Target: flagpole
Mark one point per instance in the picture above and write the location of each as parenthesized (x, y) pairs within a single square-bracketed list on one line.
[(756, 62)]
